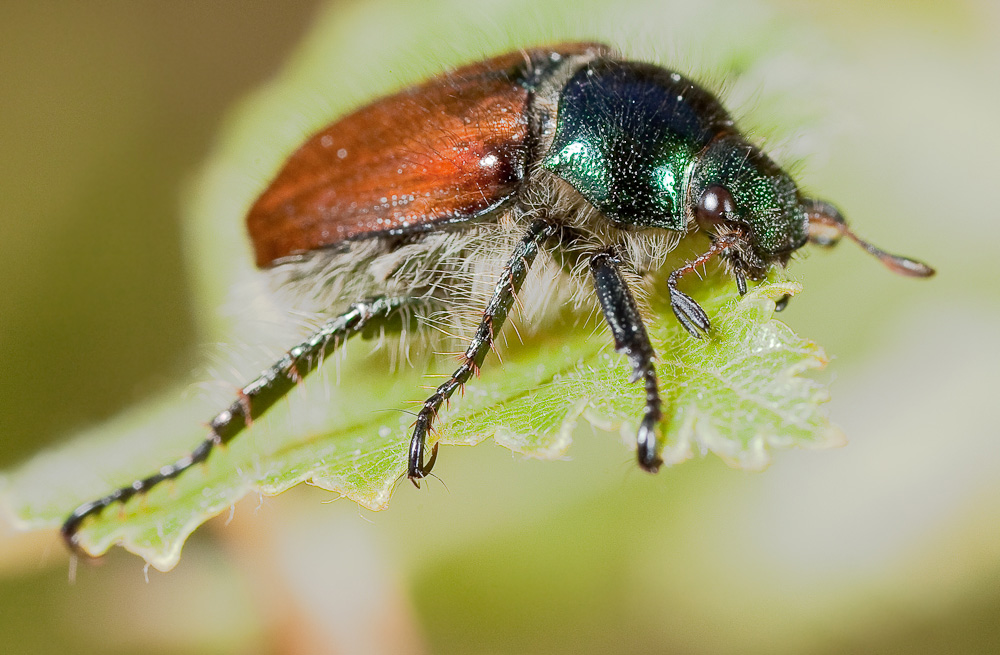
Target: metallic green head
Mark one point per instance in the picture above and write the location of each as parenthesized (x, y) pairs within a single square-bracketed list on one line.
[(735, 186)]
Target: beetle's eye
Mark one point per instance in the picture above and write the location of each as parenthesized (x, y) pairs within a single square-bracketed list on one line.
[(715, 204)]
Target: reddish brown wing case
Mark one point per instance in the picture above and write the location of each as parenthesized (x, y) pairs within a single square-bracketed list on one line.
[(446, 150)]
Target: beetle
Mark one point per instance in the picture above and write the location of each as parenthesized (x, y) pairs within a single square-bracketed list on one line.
[(387, 217)]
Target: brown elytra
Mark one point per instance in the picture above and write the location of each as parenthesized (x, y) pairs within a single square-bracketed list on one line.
[(448, 150)]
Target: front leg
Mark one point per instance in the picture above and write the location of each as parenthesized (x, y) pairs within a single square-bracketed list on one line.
[(511, 279), (631, 339), (686, 309)]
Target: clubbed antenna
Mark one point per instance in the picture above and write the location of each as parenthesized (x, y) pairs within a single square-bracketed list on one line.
[(827, 226)]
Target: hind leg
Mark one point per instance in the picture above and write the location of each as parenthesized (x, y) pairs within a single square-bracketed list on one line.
[(255, 399)]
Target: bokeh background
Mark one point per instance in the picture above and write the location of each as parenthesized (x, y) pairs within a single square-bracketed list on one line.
[(889, 544)]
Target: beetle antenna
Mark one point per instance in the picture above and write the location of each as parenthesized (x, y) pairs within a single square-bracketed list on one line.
[(827, 226)]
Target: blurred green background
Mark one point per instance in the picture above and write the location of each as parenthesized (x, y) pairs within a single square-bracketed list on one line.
[(890, 544)]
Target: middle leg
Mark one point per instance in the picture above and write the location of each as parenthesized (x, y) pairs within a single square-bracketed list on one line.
[(511, 279)]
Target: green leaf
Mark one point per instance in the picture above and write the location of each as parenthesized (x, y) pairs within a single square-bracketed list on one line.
[(737, 394)]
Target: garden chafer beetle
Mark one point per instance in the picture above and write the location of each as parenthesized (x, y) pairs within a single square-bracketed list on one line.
[(390, 217)]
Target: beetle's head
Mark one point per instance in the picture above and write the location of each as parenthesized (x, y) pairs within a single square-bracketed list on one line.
[(736, 188)]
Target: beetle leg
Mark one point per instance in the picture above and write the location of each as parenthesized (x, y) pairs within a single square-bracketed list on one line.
[(688, 312), (511, 279), (741, 280), (631, 339), (254, 399)]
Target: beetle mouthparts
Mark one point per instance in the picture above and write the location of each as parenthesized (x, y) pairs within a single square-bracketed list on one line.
[(827, 226)]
